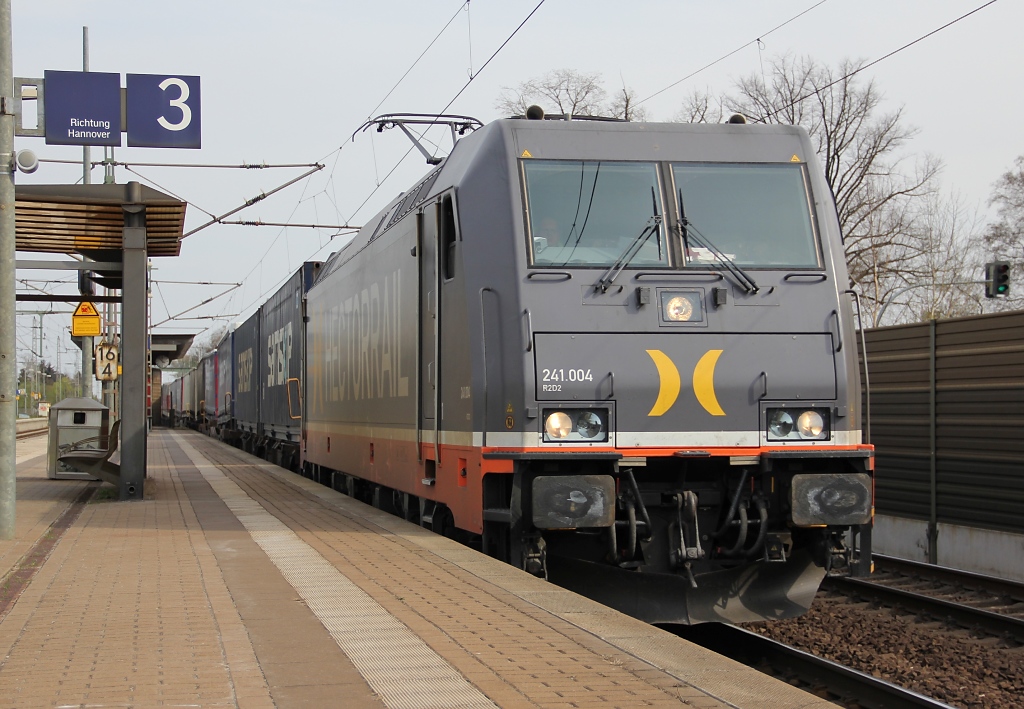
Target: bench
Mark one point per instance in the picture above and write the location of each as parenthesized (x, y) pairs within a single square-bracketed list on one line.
[(94, 461)]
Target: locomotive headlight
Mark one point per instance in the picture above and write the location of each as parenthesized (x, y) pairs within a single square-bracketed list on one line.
[(798, 424), (558, 425), (576, 425), (589, 424), (780, 423), (681, 307), (678, 309), (810, 424)]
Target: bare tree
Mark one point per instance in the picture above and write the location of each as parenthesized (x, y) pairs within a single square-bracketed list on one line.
[(559, 91), (1004, 239), (860, 148), (701, 107), (950, 262), (623, 106)]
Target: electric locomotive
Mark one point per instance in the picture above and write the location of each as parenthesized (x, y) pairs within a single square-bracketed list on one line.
[(618, 355)]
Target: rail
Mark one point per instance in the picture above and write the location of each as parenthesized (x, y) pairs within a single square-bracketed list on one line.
[(27, 428), (993, 605), (843, 682)]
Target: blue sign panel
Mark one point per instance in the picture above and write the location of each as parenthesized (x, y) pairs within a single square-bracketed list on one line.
[(163, 111), (82, 108)]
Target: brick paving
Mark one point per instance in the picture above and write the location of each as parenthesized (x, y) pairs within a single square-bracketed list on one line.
[(170, 602), (39, 501)]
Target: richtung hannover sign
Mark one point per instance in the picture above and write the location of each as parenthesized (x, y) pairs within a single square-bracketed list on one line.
[(85, 108), (82, 108)]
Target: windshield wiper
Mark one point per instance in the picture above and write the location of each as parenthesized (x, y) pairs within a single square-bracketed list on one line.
[(692, 233), (653, 226)]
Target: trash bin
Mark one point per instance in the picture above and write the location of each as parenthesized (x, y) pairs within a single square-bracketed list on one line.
[(71, 421)]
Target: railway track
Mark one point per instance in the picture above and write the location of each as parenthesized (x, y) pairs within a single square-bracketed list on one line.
[(31, 433), (983, 603), (822, 677)]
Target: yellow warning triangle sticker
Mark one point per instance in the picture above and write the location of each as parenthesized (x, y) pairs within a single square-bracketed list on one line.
[(86, 308), (526, 154), (795, 159)]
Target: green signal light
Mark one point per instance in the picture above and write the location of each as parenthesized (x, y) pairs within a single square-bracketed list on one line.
[(997, 278)]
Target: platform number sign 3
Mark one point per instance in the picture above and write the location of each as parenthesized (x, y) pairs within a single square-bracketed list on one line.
[(106, 362), (163, 111), (180, 104)]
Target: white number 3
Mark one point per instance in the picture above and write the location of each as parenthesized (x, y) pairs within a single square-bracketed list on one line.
[(178, 103)]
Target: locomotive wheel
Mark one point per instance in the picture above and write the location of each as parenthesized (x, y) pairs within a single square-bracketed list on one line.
[(444, 522)]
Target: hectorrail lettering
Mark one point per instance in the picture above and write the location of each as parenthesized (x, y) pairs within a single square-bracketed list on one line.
[(361, 346)]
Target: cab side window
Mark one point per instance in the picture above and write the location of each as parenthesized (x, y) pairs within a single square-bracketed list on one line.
[(447, 237)]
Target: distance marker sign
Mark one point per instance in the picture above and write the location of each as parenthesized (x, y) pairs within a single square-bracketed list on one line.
[(107, 367)]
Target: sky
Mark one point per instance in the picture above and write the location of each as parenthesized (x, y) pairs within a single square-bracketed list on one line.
[(292, 83)]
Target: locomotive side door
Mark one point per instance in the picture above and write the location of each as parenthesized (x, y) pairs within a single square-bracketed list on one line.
[(429, 323)]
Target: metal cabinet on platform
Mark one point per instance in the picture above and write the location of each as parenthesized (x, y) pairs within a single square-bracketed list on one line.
[(71, 421)]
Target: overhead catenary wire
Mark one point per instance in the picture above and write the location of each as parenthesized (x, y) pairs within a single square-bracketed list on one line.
[(170, 192), (449, 105), (189, 310), (258, 198), (494, 54), (735, 51), (336, 153), (194, 283), (260, 222), (762, 119), (259, 264), (162, 299), (215, 166), (226, 316), (417, 60), (469, 37)]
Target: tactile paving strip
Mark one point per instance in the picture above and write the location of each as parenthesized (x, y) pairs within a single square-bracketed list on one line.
[(395, 662)]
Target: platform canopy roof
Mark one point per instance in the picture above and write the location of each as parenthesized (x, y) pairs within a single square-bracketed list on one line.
[(170, 346), (89, 219)]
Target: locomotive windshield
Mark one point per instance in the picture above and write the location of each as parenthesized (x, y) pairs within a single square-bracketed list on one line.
[(586, 213), (757, 216)]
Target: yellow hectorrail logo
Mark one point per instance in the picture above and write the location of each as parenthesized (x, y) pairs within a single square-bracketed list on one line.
[(703, 382)]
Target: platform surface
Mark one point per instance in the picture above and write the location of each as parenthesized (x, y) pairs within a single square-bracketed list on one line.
[(238, 584)]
